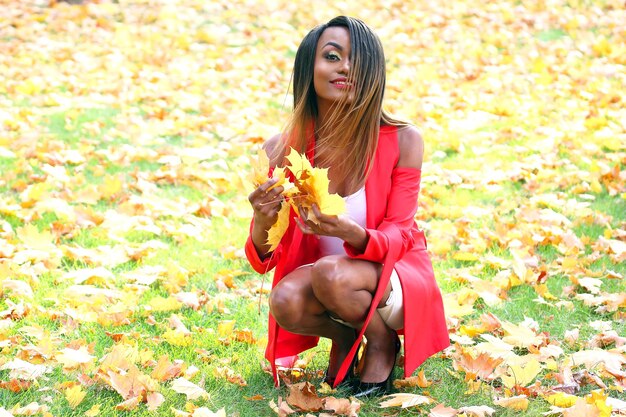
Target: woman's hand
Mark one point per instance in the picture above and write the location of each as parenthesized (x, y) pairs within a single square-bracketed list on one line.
[(266, 202), (342, 227)]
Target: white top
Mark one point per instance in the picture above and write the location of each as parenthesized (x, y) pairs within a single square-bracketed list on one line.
[(356, 209)]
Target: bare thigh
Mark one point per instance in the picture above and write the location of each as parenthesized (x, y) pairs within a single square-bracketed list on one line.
[(292, 299), (334, 285)]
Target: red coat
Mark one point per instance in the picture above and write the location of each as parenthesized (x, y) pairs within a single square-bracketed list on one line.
[(394, 241)]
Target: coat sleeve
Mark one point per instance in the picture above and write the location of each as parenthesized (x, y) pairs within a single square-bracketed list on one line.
[(260, 265), (400, 214)]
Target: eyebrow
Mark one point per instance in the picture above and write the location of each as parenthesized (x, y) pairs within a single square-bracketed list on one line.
[(336, 45)]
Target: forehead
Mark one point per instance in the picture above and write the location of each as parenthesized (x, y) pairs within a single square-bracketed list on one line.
[(335, 34)]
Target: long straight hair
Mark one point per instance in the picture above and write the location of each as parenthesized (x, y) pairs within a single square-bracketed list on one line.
[(355, 124)]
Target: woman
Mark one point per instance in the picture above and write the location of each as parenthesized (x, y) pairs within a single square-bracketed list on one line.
[(366, 273)]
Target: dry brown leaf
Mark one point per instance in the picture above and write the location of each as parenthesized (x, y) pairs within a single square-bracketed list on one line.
[(477, 411), (191, 390), (341, 406), (418, 380), (481, 366), (404, 400), (229, 375), (304, 397), (282, 409), (129, 404), (581, 409), (30, 409), (15, 385), (205, 412), (165, 370), (22, 370), (441, 410), (154, 400)]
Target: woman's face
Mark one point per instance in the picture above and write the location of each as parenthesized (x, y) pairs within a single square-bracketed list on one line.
[(332, 64)]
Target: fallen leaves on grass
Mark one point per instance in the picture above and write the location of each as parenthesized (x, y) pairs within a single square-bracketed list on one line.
[(303, 396), (404, 400), (191, 390), (121, 153)]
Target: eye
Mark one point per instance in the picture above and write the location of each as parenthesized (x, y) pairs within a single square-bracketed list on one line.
[(332, 56)]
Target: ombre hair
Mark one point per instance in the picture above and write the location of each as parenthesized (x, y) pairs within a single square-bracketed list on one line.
[(356, 123)]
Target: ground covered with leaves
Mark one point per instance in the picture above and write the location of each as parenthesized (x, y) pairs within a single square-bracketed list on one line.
[(126, 130)]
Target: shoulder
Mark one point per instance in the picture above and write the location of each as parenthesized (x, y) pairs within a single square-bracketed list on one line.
[(273, 149), (410, 146)]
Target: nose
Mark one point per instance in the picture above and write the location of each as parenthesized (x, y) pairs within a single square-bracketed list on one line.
[(345, 66)]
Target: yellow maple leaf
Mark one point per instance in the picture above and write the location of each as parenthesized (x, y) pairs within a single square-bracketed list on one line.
[(111, 186), (34, 239), (598, 398), (75, 358), (309, 187), (330, 204), (520, 336), (581, 409), (313, 185), (75, 395), (177, 338), (298, 163), (225, 328), (165, 304), (561, 399), (521, 375), (278, 229), (519, 402), (260, 167), (93, 411), (543, 291)]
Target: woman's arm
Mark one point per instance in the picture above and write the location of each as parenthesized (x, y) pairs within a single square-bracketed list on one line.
[(411, 147), (401, 202), (266, 203)]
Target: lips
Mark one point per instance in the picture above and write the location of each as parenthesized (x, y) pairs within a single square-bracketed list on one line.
[(341, 82)]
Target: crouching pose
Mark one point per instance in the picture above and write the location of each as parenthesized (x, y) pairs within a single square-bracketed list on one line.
[(367, 272)]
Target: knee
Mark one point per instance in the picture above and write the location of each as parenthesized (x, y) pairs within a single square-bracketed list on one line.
[(286, 306), (329, 276)]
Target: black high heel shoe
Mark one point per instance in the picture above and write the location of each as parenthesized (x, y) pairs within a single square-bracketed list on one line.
[(374, 389), (350, 377)]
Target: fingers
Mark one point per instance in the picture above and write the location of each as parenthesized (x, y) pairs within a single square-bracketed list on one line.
[(266, 203), (261, 196), (262, 190), (318, 213), (303, 212), (304, 228)]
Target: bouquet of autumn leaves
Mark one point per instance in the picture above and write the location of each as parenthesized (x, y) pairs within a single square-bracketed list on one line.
[(307, 185)]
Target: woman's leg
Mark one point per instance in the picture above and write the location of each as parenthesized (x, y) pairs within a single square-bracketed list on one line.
[(296, 309), (345, 287), (304, 300)]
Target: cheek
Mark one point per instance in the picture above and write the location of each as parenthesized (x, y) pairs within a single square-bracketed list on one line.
[(318, 78)]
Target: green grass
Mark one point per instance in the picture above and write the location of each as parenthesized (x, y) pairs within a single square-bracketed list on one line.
[(122, 136)]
